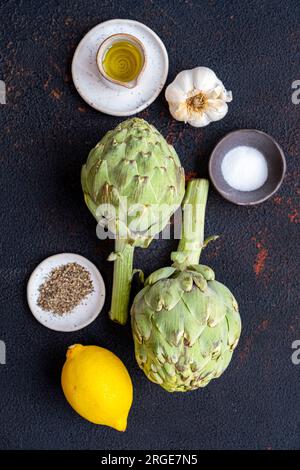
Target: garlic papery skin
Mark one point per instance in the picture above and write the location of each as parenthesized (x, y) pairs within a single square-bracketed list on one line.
[(198, 97)]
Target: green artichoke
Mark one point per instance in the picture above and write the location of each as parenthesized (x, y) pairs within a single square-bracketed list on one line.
[(133, 182), (185, 323)]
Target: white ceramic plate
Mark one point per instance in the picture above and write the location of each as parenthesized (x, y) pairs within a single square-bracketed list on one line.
[(84, 313), (119, 101)]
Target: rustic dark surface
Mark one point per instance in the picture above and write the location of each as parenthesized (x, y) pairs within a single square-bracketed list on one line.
[(47, 131)]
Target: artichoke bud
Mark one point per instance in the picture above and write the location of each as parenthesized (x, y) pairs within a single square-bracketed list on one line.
[(124, 164), (184, 316)]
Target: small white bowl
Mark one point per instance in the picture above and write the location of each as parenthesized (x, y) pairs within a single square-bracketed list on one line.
[(108, 97), (84, 313)]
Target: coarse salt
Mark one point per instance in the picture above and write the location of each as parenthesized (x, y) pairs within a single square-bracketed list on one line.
[(244, 168)]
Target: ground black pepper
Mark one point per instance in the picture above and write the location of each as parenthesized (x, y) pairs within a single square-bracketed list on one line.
[(65, 288)]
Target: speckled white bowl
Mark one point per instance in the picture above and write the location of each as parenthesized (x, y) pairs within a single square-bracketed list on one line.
[(84, 313), (118, 100)]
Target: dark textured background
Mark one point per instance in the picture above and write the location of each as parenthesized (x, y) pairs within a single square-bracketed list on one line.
[(46, 133)]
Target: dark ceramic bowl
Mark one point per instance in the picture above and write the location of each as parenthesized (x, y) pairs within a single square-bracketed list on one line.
[(272, 153)]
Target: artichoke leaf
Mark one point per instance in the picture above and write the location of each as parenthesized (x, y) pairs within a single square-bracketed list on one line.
[(216, 308), (206, 271), (120, 135), (200, 281), (99, 176), (140, 274), (196, 303), (135, 144), (140, 353), (93, 156), (113, 256), (154, 377), (170, 324), (234, 327), (169, 370), (172, 173), (192, 329), (195, 358), (159, 349), (90, 204), (212, 238), (212, 339), (142, 317), (123, 173), (227, 295), (174, 155), (140, 191), (169, 196), (207, 373), (158, 180), (141, 219), (145, 162), (84, 175), (222, 363), (186, 281), (163, 295), (162, 273), (105, 195), (113, 152)]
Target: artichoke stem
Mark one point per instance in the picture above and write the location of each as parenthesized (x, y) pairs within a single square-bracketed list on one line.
[(121, 282), (194, 205)]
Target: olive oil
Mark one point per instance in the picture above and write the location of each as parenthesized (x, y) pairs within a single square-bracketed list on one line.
[(123, 61)]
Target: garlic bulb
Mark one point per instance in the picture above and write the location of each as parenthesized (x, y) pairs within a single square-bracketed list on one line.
[(198, 97)]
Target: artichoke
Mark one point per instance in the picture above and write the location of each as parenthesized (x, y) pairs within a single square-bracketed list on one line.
[(132, 182), (185, 323)]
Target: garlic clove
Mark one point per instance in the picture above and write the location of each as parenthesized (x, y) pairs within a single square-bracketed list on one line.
[(219, 92), (216, 109), (201, 121), (180, 113), (174, 93), (204, 79), (184, 80)]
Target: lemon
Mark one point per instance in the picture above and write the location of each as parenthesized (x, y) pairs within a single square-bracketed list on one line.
[(97, 385)]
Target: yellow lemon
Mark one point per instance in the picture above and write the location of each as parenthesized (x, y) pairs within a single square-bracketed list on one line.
[(97, 385)]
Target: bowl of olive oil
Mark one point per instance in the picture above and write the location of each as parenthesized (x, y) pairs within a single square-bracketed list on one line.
[(121, 60)]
